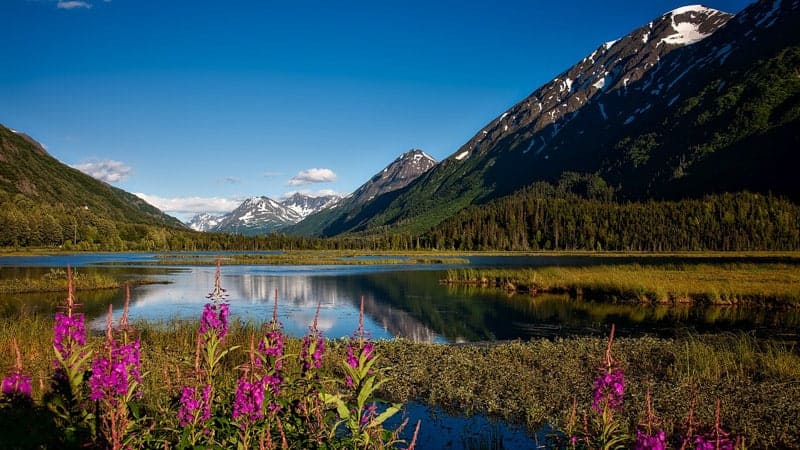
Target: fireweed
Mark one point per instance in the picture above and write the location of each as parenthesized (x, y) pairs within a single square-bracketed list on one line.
[(355, 408), (196, 402), (270, 352), (715, 438), (115, 380), (17, 385), (97, 401), (67, 398), (605, 430), (649, 436)]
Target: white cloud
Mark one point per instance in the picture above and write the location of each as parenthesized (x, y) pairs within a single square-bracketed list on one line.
[(107, 170), (190, 204), (230, 180), (309, 176), (272, 174), (72, 4)]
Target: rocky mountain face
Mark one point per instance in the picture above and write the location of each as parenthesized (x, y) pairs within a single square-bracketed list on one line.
[(260, 215), (658, 113), (403, 170), (393, 178)]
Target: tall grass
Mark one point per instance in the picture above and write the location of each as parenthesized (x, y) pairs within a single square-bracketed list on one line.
[(768, 284)]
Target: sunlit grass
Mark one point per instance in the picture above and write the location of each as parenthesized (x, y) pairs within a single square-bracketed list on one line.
[(770, 284)]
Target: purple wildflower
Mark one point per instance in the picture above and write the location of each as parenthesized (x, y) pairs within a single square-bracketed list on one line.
[(710, 442), (215, 317), (194, 406), (248, 401), (609, 389), (355, 349), (312, 351), (370, 411), (69, 331), (352, 360), (271, 346), (645, 441), (17, 384), (112, 375)]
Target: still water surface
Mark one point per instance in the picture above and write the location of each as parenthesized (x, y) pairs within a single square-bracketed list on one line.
[(403, 300)]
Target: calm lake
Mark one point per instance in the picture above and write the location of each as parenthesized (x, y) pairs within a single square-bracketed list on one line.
[(403, 300)]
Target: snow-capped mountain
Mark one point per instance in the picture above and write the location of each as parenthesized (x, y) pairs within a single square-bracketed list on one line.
[(260, 215), (305, 205), (204, 221), (403, 170), (257, 215), (394, 177), (657, 113), (614, 65)]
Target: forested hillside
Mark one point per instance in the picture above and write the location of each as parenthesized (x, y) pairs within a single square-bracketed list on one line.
[(580, 216)]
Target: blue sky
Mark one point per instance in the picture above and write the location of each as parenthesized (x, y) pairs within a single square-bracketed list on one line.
[(199, 104)]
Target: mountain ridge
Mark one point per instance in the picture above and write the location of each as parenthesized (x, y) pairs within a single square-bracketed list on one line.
[(603, 123), (28, 169), (262, 215), (395, 177)]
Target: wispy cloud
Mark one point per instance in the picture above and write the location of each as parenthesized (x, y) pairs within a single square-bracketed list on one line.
[(107, 170), (230, 180), (72, 4), (190, 204), (309, 176), (272, 174)]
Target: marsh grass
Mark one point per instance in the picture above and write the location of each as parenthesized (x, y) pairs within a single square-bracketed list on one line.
[(531, 383), (766, 284), (56, 281)]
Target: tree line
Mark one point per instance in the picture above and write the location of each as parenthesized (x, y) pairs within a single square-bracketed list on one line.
[(546, 218), (541, 217)]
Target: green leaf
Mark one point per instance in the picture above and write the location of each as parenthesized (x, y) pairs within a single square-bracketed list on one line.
[(390, 411)]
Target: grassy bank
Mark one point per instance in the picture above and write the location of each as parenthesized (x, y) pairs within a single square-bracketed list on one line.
[(56, 281), (526, 382), (766, 284)]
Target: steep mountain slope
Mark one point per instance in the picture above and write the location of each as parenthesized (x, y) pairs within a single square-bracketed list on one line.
[(27, 169), (393, 178), (657, 114), (396, 175)]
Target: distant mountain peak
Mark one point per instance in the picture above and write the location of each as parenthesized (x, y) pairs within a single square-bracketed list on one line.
[(204, 221), (261, 214), (305, 204), (403, 170)]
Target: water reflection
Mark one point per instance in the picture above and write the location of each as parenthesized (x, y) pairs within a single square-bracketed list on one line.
[(399, 301)]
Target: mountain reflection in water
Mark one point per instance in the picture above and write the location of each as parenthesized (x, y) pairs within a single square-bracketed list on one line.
[(405, 301)]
